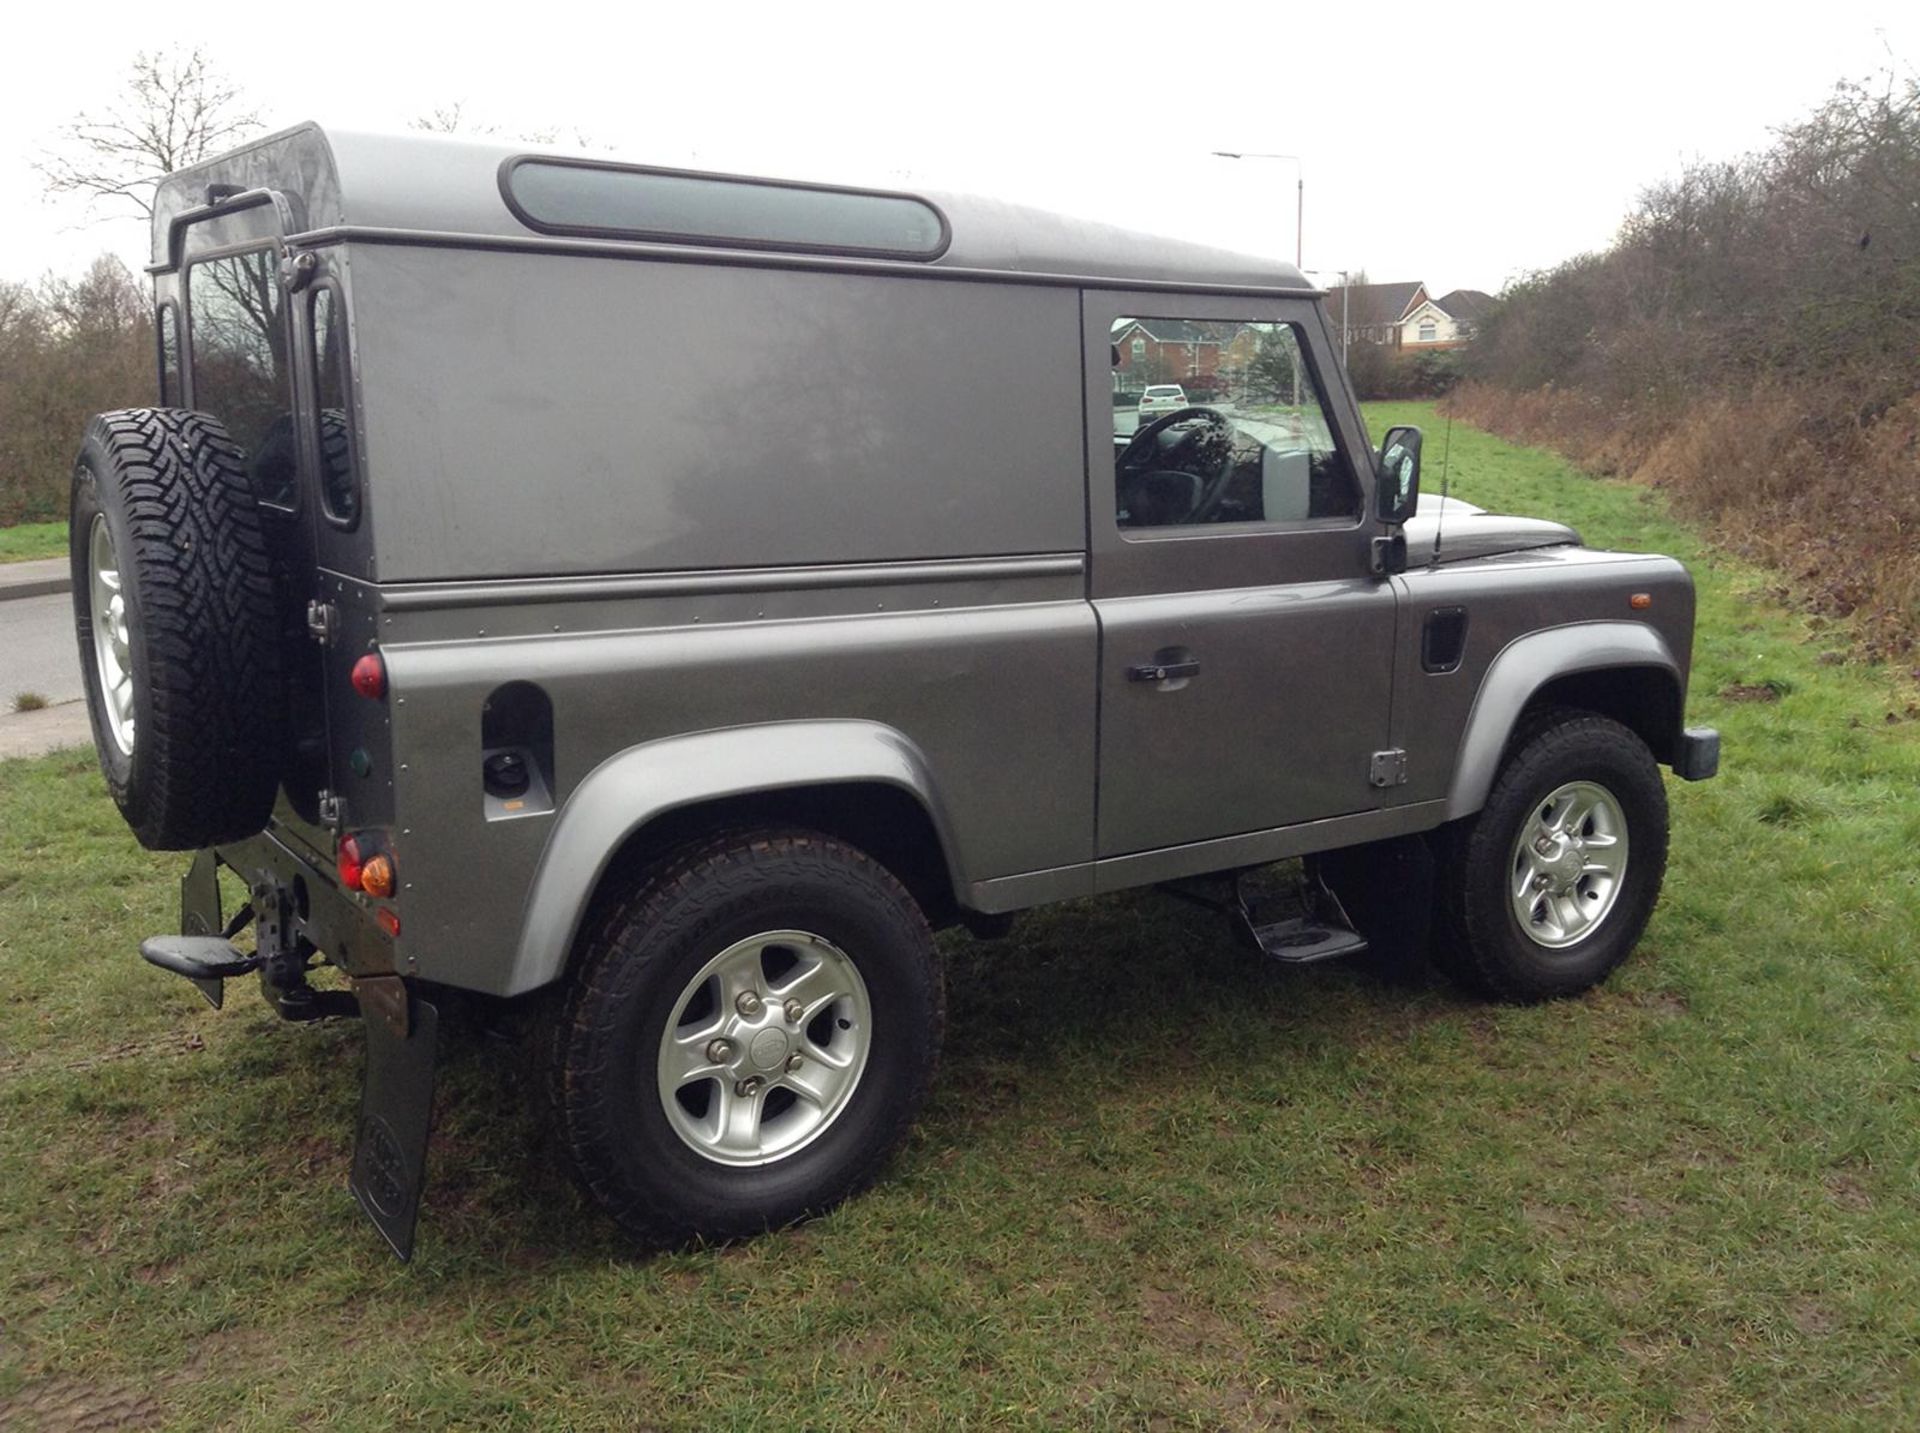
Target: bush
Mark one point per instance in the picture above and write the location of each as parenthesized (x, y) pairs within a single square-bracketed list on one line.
[(1752, 343), (68, 349)]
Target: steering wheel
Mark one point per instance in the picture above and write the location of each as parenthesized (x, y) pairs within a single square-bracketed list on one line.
[(1208, 488)]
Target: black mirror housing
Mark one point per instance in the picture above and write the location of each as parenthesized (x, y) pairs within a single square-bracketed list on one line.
[(1397, 486)]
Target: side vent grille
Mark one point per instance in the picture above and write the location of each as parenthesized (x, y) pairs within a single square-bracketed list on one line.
[(1444, 639)]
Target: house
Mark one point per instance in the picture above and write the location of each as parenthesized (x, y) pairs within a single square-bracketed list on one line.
[(1447, 322), (1161, 350), (1405, 316), (1373, 313)]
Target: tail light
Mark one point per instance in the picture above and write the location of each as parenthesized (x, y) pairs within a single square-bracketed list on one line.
[(348, 861), (369, 676)]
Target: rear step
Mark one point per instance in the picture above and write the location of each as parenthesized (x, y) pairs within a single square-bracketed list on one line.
[(206, 960)]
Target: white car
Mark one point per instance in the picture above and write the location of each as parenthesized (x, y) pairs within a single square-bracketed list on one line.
[(1161, 399)]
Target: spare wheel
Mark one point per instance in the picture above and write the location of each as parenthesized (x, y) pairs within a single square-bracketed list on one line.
[(175, 607)]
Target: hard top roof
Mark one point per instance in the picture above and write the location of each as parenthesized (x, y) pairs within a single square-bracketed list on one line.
[(431, 184)]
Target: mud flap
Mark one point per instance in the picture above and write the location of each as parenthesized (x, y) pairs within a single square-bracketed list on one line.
[(396, 1107), (200, 913)]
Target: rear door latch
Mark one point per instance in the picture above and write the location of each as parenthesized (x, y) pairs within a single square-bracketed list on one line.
[(323, 621)]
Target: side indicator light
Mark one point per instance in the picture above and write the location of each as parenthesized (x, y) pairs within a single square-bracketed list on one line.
[(376, 876), (369, 676), (1640, 601), (348, 861), (389, 922)]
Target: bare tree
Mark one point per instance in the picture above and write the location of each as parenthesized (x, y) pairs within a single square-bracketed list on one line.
[(454, 119), (178, 109), (450, 119)]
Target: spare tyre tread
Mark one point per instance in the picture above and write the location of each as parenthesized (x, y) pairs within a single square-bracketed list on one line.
[(207, 747)]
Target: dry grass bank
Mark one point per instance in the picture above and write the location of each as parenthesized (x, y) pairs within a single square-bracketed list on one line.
[(1825, 497)]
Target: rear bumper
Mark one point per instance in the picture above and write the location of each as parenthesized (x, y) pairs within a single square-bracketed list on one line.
[(1697, 756)]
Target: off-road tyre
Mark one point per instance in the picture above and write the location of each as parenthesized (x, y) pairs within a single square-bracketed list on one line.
[(203, 626), (599, 1038), (1479, 941)]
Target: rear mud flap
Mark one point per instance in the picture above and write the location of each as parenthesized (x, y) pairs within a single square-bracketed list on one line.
[(396, 1107)]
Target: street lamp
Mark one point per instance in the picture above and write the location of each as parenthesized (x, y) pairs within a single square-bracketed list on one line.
[(1299, 194)]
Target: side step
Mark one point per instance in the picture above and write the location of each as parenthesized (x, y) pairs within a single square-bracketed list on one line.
[(207, 960), (1295, 924), (1301, 926), (1306, 940)]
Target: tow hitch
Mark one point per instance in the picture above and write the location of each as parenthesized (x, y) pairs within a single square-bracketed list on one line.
[(396, 1097)]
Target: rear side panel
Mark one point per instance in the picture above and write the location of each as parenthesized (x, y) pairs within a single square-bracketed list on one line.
[(544, 414)]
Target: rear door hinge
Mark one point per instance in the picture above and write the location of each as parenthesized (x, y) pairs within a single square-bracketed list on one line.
[(1389, 768), (323, 621), (333, 809)]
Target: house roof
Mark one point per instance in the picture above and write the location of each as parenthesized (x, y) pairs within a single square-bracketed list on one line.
[(422, 188), (1371, 305), (1175, 330), (1466, 305)]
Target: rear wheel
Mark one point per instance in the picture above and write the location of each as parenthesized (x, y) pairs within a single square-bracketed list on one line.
[(747, 1036), (1550, 885)]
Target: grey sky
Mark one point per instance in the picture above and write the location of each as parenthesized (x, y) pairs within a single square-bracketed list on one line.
[(1460, 145)]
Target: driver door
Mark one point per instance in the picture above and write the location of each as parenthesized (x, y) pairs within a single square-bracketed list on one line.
[(1246, 648)]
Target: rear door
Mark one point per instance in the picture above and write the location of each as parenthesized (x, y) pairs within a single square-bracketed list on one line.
[(1246, 648), (246, 367)]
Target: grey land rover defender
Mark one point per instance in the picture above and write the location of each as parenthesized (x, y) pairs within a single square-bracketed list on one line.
[(666, 598)]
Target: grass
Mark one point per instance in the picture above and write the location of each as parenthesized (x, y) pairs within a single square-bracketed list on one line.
[(1158, 1185), (26, 541), (29, 702)]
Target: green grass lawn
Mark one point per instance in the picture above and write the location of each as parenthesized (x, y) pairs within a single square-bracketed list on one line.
[(1159, 1184), (24, 541)]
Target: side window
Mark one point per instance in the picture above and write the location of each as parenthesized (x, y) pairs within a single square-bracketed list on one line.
[(166, 327), (1253, 445), (237, 332), (339, 488)]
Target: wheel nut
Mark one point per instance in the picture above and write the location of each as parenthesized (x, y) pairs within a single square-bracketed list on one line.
[(1542, 881), (794, 1010), (1544, 845), (748, 1004), (719, 1051), (748, 1087), (794, 1062)]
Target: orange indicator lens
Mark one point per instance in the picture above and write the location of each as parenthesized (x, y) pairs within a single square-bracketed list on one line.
[(376, 876)]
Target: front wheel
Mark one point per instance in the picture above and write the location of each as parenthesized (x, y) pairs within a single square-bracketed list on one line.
[(1550, 885), (747, 1036)]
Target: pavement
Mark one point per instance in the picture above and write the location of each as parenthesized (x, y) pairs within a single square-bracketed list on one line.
[(38, 655), (34, 579)]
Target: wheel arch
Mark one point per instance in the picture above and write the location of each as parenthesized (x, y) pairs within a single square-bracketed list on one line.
[(1623, 670), (861, 781)]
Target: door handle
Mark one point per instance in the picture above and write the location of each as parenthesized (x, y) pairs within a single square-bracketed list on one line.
[(1163, 673)]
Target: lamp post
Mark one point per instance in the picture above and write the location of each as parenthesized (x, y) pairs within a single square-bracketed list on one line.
[(1299, 194)]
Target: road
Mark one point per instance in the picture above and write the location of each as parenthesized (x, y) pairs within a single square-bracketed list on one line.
[(37, 652)]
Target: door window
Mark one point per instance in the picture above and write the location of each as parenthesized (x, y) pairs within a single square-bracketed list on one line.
[(339, 491), (1254, 444), (238, 335)]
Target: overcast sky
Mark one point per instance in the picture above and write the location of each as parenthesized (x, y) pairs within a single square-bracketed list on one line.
[(1458, 144)]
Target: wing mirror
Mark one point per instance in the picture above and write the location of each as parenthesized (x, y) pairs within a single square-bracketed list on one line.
[(1397, 492)]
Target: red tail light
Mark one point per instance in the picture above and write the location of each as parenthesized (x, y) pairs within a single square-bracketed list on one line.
[(369, 676), (348, 858)]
